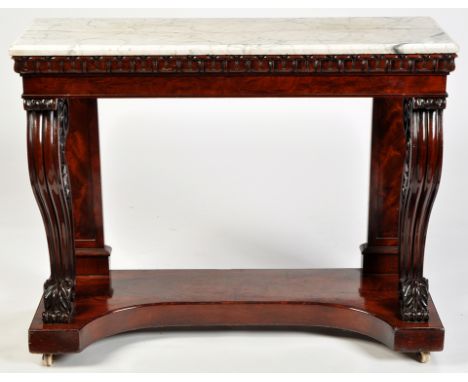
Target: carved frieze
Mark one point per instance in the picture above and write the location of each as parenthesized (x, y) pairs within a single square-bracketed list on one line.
[(372, 63)]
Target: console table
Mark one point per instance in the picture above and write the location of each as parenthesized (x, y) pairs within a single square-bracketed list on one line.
[(66, 65)]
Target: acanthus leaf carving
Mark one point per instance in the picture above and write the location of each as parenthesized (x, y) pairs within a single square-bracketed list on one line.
[(414, 299), (59, 295)]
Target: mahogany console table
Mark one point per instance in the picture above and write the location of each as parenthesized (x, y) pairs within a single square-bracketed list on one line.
[(67, 64)]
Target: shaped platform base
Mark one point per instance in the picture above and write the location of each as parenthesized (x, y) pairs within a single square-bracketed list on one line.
[(283, 298)]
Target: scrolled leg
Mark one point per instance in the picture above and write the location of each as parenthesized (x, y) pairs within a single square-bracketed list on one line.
[(420, 181), (47, 132)]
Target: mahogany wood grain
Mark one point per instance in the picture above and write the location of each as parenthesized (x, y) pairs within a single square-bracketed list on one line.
[(47, 130), (387, 158), (234, 85), (303, 298), (387, 300), (420, 182), (85, 176)]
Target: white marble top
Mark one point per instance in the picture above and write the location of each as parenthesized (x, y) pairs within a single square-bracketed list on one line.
[(74, 37)]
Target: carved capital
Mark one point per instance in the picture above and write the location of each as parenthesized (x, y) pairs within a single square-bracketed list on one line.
[(414, 295), (432, 103), (58, 300), (40, 104)]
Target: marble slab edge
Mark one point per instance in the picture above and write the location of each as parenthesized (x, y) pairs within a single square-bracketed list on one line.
[(232, 36)]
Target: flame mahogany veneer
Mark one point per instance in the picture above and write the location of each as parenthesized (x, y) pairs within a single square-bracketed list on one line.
[(283, 298), (387, 299)]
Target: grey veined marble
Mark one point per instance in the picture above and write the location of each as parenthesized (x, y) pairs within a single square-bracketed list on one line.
[(384, 35)]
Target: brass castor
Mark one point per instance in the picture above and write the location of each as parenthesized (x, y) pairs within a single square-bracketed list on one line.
[(47, 359), (424, 356)]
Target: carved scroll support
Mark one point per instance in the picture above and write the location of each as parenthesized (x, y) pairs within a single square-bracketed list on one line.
[(420, 181), (47, 125)]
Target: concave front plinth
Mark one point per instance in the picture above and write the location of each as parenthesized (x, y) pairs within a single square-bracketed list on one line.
[(336, 298)]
